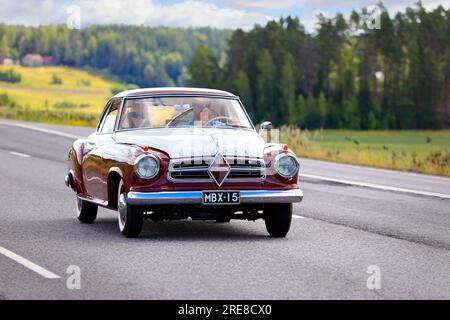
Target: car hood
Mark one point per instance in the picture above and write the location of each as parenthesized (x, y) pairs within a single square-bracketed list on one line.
[(197, 142)]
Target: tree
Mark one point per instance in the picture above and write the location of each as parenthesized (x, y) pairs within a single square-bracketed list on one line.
[(287, 88), (204, 69), (322, 106), (242, 85), (265, 103), (350, 115), (301, 111), (365, 107)]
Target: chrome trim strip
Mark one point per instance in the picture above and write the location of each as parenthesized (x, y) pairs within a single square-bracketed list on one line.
[(230, 159), (195, 197), (94, 200), (179, 94)]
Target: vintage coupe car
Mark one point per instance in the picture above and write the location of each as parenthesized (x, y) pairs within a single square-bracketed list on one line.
[(175, 153)]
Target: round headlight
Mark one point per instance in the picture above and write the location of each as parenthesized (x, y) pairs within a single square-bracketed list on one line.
[(286, 165), (146, 166)]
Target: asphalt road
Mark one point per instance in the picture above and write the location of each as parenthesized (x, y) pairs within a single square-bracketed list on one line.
[(340, 230)]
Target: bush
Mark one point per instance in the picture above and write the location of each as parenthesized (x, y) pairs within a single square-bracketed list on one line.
[(84, 82), (65, 105), (4, 99), (56, 79), (10, 76)]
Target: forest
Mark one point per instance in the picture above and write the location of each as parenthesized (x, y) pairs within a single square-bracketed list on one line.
[(135, 54), (395, 77), (339, 76)]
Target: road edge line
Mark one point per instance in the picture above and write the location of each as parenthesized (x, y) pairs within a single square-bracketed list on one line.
[(377, 186), (44, 130)]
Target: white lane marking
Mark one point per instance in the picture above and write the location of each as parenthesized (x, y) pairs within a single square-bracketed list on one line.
[(28, 264), (23, 155), (45, 130), (297, 216), (377, 186)]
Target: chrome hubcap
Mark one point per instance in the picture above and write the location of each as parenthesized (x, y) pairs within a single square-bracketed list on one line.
[(78, 206), (122, 209)]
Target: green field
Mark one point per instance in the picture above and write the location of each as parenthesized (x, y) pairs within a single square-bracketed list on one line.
[(416, 151)]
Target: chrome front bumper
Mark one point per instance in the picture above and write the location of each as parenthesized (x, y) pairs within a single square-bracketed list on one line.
[(195, 197)]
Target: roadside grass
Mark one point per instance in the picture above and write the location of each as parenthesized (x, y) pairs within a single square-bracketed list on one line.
[(420, 151), (71, 118)]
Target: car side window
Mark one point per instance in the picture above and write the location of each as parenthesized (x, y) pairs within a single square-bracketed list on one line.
[(110, 118)]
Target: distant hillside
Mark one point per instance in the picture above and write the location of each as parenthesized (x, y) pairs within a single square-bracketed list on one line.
[(58, 88), (139, 55)]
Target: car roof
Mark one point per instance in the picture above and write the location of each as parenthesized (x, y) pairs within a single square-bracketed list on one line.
[(174, 91)]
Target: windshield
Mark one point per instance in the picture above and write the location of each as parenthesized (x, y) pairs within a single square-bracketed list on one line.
[(195, 112)]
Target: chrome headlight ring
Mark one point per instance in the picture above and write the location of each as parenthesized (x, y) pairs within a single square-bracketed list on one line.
[(152, 169), (282, 167)]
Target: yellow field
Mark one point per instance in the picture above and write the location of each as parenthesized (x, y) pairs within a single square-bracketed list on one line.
[(36, 90)]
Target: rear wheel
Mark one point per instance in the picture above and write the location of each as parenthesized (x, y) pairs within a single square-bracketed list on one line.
[(86, 211), (130, 218), (278, 219)]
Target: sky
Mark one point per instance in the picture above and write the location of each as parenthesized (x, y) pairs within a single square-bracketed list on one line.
[(185, 13)]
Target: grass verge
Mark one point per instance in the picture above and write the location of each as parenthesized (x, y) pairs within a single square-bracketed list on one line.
[(416, 151)]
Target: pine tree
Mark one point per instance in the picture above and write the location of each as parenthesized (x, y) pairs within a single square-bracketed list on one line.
[(204, 68), (287, 88), (265, 103), (242, 85)]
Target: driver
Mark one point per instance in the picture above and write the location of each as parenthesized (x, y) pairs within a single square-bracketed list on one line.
[(137, 116), (202, 115)]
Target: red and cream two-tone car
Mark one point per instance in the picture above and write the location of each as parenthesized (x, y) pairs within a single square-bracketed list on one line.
[(175, 153)]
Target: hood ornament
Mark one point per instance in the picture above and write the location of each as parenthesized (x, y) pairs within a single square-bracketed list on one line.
[(219, 169)]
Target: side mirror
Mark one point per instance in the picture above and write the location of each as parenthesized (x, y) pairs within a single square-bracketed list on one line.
[(267, 125)]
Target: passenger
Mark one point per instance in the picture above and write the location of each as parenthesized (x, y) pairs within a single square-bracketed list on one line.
[(137, 117)]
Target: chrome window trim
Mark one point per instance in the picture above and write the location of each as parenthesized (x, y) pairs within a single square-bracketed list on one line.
[(105, 114), (252, 128), (102, 115)]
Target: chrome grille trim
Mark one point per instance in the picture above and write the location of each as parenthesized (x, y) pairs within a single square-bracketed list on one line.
[(243, 169)]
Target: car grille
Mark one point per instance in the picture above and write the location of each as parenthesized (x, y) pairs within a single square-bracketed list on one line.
[(196, 170)]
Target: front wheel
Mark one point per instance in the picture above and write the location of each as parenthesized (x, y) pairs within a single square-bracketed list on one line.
[(278, 219), (86, 211), (131, 218)]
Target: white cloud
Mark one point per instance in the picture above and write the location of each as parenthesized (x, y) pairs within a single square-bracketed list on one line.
[(189, 13), (394, 5), (267, 4)]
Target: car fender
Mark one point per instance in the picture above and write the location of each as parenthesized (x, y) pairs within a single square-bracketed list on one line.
[(75, 159)]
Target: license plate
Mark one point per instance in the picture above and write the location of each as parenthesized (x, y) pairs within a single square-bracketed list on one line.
[(221, 197)]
